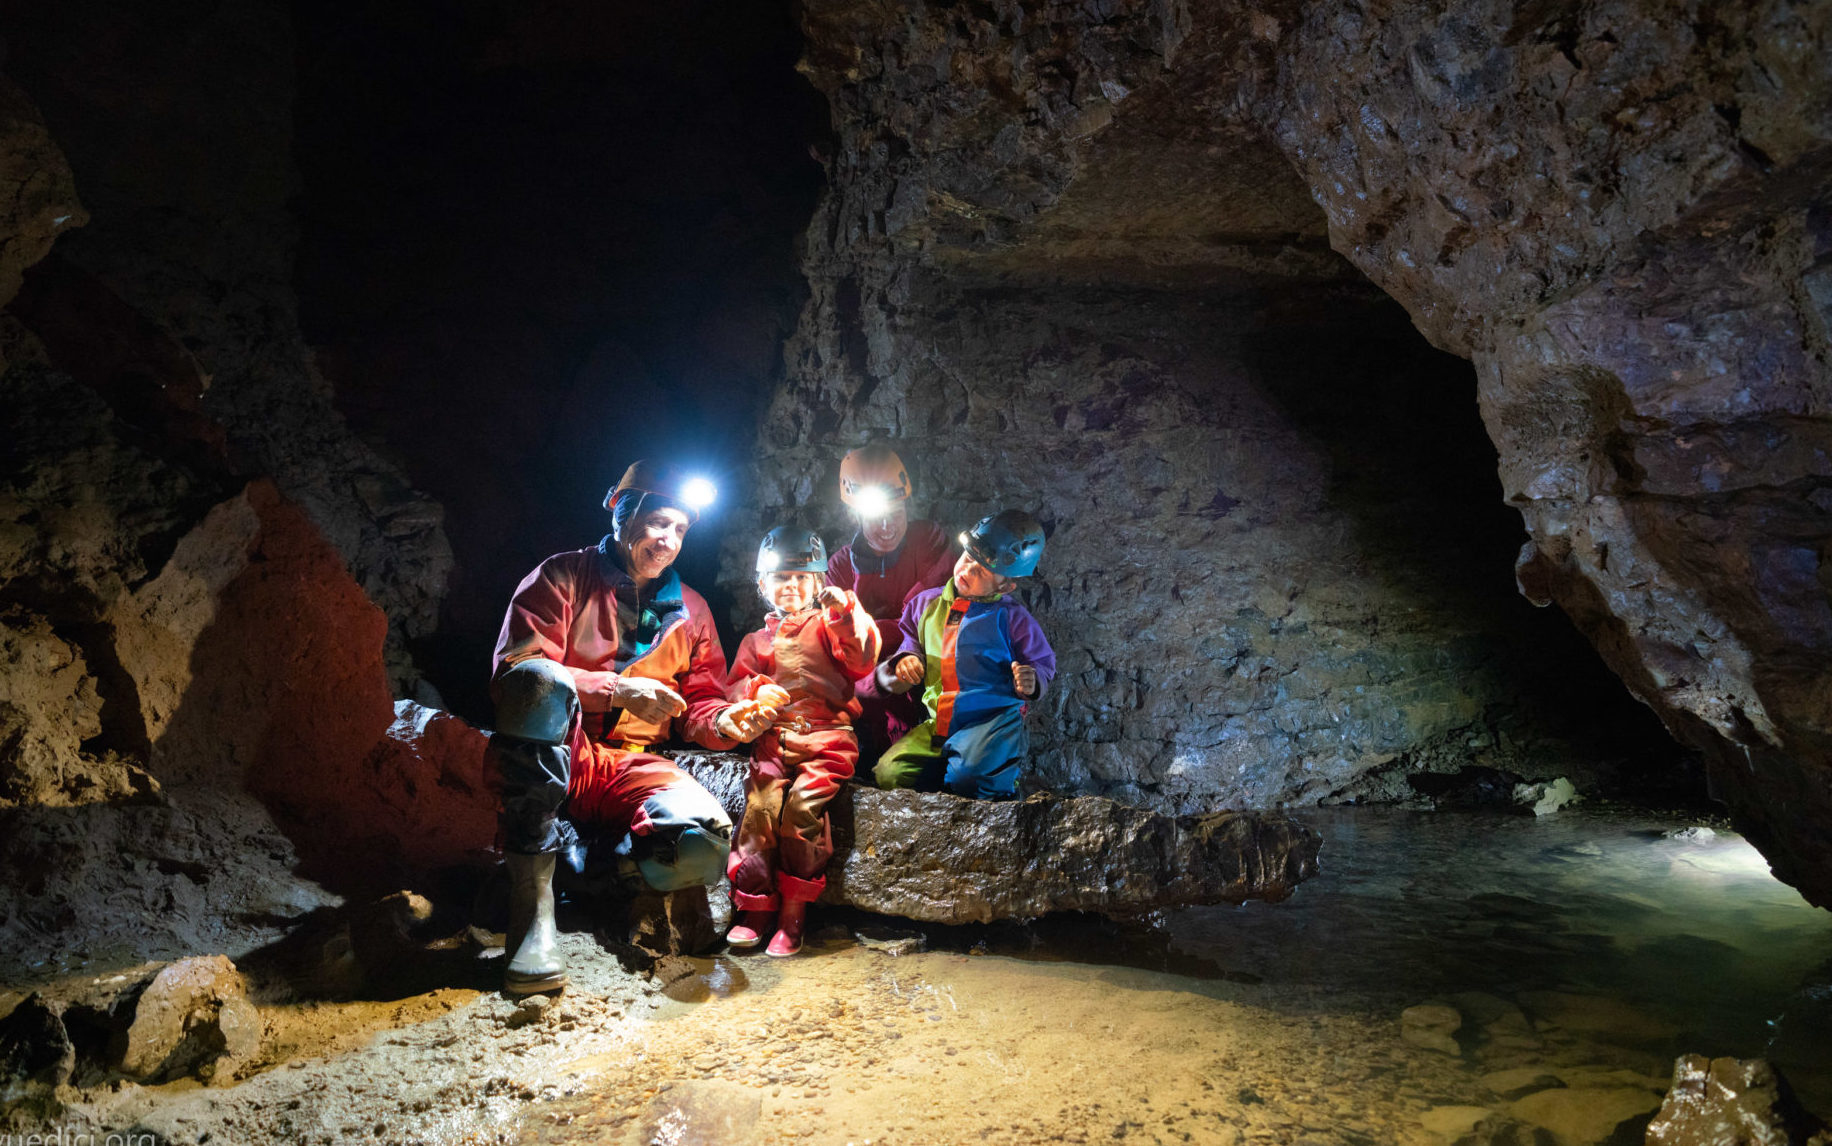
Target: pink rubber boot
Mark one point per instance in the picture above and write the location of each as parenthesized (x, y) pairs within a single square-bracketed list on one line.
[(750, 929), (788, 938)]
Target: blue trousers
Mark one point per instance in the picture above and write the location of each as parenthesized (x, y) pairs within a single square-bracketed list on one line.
[(980, 762)]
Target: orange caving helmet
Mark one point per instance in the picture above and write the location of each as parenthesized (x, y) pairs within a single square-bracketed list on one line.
[(874, 467)]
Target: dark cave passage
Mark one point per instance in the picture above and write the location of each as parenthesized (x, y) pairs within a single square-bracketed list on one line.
[(539, 244)]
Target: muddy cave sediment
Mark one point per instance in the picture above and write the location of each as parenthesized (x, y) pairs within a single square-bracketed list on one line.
[(307, 365)]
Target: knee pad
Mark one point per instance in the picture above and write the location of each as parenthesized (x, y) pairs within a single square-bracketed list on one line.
[(686, 840), (536, 700)]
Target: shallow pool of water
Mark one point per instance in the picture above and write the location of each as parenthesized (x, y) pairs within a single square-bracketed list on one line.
[(1559, 966)]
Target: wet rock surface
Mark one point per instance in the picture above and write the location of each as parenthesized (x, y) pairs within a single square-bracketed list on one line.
[(943, 859), (1732, 1100)]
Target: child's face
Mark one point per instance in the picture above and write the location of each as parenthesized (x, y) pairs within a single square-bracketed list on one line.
[(975, 580), (790, 592)]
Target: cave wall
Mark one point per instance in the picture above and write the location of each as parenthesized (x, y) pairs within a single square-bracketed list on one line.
[(177, 125), (1620, 212), (192, 679), (1616, 211), (1061, 272)]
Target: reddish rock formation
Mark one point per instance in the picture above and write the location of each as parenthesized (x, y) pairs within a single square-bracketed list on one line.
[(432, 798)]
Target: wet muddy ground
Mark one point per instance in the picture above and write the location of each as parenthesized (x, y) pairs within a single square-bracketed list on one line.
[(1447, 975)]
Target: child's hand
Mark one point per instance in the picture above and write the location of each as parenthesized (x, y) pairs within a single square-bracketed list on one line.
[(1024, 679), (745, 721), (834, 598), (910, 670), (773, 697)]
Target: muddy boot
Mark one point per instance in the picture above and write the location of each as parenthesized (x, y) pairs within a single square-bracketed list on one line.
[(788, 938), (534, 944), (750, 929)]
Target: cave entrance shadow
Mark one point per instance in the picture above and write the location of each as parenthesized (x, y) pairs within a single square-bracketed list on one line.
[(1413, 469)]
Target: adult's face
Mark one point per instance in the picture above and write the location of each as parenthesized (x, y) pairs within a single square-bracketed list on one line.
[(884, 532), (654, 542)]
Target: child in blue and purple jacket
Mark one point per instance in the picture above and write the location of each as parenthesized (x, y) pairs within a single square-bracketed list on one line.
[(980, 657)]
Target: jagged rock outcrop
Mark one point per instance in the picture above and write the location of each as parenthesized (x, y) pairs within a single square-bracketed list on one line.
[(39, 193), (189, 185), (192, 676), (1715, 1100), (1065, 266), (1620, 212)]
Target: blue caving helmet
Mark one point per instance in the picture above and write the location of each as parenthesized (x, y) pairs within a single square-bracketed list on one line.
[(787, 549), (1010, 543)]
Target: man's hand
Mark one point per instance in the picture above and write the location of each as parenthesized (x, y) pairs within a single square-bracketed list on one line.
[(746, 720), (1024, 680), (909, 670), (834, 598), (647, 700)]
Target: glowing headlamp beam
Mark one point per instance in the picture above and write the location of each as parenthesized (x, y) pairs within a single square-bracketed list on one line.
[(699, 493), (872, 501)]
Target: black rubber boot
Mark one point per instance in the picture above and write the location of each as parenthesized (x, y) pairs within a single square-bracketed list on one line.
[(533, 941)]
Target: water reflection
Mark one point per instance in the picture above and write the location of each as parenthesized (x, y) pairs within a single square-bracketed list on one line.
[(1687, 928)]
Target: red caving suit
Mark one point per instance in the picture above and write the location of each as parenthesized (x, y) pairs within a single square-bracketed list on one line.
[(785, 841), (886, 582), (566, 611)]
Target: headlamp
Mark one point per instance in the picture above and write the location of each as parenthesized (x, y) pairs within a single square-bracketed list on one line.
[(872, 501), (698, 493)]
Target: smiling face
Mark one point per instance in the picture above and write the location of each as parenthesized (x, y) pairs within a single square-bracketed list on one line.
[(653, 541), (790, 592), (885, 531), (971, 579)]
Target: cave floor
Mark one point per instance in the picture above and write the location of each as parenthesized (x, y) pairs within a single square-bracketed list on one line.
[(1562, 965)]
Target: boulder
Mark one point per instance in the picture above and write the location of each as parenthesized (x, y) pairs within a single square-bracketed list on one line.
[(1432, 1026), (194, 1018), (942, 859), (1722, 1100), (434, 805)]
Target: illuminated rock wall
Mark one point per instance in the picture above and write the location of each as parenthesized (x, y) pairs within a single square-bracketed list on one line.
[(1617, 212), (1063, 268)]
